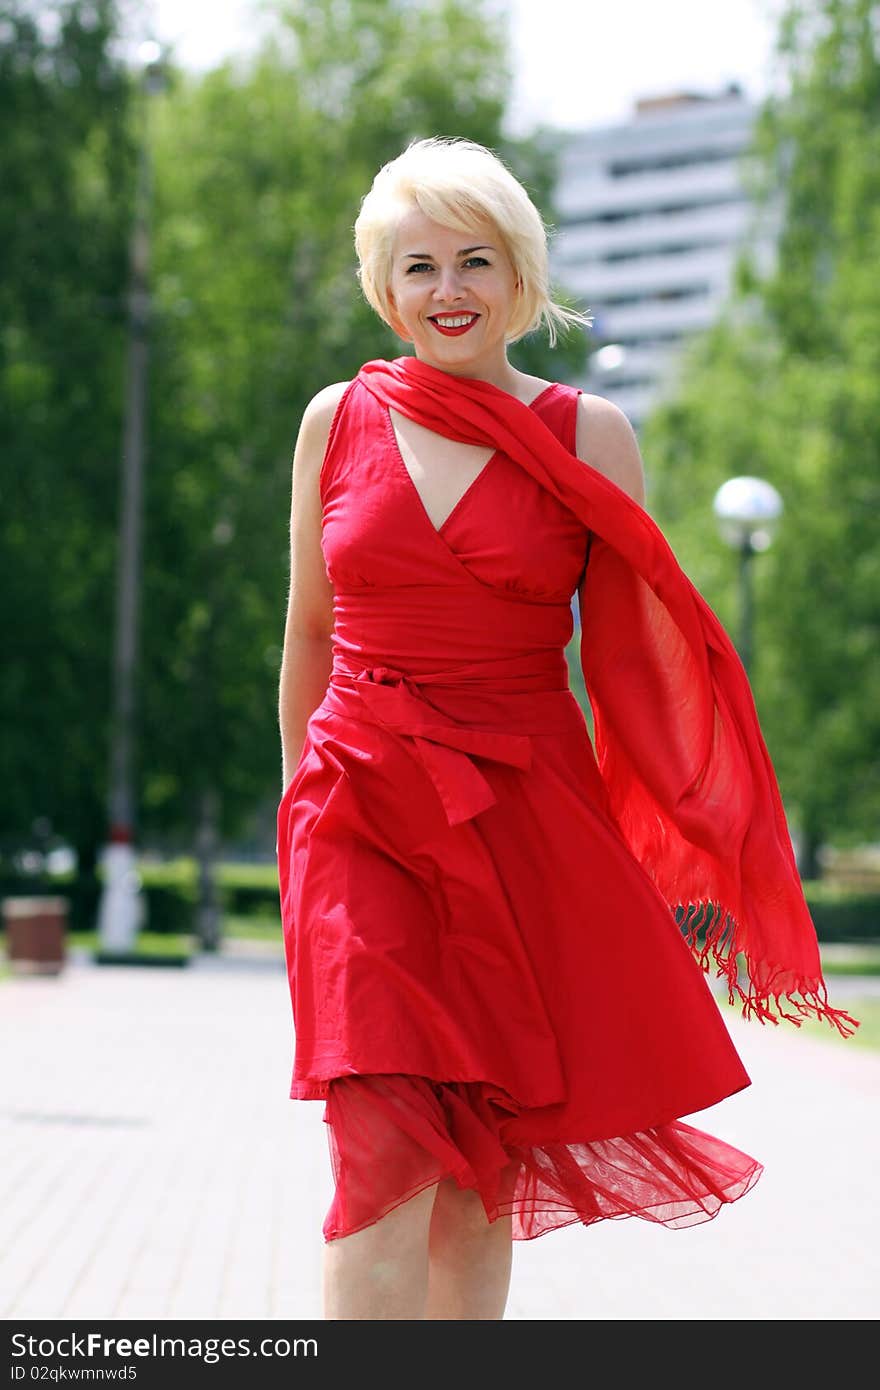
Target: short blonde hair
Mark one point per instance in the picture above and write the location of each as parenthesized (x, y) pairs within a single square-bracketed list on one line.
[(459, 183)]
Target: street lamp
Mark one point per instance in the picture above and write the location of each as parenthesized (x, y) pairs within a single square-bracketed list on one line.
[(608, 359), (121, 906), (748, 511)]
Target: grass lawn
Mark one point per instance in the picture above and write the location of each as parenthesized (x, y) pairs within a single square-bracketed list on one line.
[(851, 967), (147, 943), (866, 1010), (850, 960)]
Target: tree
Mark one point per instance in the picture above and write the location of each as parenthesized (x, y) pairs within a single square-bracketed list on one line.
[(786, 387), (66, 172), (260, 171)]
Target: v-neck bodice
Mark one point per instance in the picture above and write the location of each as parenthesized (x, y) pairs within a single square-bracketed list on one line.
[(498, 575), (465, 494)]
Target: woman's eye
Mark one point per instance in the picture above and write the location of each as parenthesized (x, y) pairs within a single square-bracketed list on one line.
[(420, 266)]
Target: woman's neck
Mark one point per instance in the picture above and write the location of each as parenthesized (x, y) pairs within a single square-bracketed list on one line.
[(498, 373)]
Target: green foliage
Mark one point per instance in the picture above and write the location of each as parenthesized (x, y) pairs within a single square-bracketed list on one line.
[(844, 917), (785, 387), (258, 170), (66, 173)]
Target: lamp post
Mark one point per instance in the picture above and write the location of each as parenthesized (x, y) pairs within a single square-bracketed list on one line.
[(605, 364), (121, 906), (747, 511)]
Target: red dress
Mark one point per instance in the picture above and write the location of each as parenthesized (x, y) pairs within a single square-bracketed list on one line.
[(486, 983)]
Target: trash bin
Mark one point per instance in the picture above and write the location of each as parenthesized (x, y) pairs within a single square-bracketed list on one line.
[(36, 930)]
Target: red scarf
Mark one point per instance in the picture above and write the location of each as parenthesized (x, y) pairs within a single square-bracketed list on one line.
[(676, 731)]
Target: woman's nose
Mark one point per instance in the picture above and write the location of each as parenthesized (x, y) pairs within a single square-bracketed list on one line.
[(448, 285)]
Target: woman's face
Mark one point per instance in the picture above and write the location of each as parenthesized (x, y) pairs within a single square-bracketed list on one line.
[(452, 293)]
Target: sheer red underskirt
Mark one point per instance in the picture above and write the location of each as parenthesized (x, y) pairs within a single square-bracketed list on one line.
[(393, 1135)]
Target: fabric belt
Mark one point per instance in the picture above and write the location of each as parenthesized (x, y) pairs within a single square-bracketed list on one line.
[(394, 700)]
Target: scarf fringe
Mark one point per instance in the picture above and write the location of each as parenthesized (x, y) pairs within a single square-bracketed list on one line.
[(711, 933)]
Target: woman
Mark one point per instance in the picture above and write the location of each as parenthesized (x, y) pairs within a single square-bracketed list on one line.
[(489, 990)]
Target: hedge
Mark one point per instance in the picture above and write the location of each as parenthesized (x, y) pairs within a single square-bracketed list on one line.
[(840, 915)]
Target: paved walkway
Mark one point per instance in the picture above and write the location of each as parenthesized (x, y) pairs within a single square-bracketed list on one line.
[(153, 1167)]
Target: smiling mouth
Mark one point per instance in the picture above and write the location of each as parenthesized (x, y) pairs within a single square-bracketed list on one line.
[(453, 324)]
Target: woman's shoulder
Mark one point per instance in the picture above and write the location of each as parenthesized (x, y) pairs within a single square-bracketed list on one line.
[(323, 404), (320, 412), (607, 440), (600, 421)]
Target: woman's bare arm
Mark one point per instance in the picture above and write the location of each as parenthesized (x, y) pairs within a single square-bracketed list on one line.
[(307, 655)]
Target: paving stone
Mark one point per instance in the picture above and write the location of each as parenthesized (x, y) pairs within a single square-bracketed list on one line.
[(152, 1167)]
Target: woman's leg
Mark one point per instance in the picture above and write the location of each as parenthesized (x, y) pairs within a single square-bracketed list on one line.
[(470, 1257), (381, 1271)]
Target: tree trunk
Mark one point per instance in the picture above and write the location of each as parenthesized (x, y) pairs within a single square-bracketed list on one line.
[(86, 895), (809, 863), (208, 913), (87, 860)]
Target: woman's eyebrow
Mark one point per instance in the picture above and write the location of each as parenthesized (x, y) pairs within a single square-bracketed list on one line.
[(426, 255)]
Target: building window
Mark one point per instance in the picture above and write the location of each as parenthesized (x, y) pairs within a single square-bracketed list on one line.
[(624, 168)]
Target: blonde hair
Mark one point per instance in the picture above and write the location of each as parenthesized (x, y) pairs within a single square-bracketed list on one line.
[(459, 183)]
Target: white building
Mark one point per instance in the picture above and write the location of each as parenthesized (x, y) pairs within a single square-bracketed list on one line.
[(650, 215)]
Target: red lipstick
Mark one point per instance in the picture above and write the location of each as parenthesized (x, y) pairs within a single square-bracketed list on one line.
[(449, 331)]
